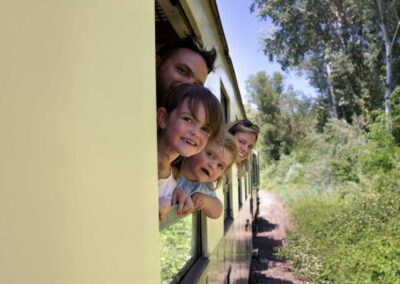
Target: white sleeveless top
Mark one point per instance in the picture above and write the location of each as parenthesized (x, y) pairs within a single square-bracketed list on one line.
[(166, 187)]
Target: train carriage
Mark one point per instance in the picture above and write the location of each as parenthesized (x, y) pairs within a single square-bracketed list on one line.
[(78, 177)]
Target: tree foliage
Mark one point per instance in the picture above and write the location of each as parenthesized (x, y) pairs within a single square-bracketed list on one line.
[(280, 113), (395, 106), (339, 44)]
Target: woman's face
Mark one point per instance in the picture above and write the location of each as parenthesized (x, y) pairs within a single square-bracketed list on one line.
[(245, 142)]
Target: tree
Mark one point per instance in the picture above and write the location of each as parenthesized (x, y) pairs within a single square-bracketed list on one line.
[(339, 45), (280, 113), (389, 23), (264, 93)]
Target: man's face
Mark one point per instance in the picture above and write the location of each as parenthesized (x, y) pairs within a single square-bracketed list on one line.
[(183, 66)]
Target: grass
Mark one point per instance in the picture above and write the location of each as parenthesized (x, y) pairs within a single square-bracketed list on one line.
[(343, 191)]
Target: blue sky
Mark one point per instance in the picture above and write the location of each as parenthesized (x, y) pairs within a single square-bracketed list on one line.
[(243, 31)]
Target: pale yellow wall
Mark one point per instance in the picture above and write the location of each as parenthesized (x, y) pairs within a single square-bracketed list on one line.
[(78, 195), (215, 228)]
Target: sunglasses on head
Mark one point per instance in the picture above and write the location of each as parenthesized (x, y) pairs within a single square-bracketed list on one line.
[(247, 123)]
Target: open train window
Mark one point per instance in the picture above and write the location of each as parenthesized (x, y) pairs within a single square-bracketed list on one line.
[(171, 21), (255, 170), (227, 206), (164, 30), (247, 187), (181, 245), (224, 104), (228, 186), (240, 193), (181, 240)]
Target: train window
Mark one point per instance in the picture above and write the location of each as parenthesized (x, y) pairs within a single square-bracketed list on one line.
[(240, 194), (248, 184), (164, 30), (224, 104), (180, 245), (246, 187), (171, 21), (228, 275), (248, 178), (180, 238), (255, 178), (228, 217)]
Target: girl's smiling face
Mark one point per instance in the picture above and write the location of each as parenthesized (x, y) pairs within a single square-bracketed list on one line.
[(245, 143), (208, 165), (186, 134)]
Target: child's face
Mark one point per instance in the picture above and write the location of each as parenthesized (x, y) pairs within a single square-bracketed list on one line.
[(245, 143), (185, 134), (208, 165)]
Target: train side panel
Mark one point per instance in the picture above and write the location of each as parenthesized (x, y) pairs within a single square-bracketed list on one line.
[(229, 261), (78, 176)]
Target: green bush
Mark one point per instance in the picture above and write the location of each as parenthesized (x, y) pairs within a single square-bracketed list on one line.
[(395, 105), (343, 169), (175, 248), (353, 241), (381, 152), (342, 237)]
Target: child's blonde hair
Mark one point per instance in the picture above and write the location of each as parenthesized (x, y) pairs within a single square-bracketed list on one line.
[(227, 142)]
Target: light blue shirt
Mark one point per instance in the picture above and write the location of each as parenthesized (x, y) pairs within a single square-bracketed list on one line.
[(191, 187)]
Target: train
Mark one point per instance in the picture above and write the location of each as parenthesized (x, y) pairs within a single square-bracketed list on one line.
[(78, 148)]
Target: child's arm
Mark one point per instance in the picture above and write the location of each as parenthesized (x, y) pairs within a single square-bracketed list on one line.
[(185, 203), (164, 204), (212, 207)]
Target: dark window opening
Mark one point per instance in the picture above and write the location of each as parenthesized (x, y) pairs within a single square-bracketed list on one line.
[(224, 105), (181, 241), (164, 30), (240, 193)]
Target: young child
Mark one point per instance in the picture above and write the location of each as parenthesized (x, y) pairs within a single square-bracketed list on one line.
[(189, 116), (200, 172)]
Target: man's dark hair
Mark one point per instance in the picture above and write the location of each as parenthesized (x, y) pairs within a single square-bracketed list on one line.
[(193, 43)]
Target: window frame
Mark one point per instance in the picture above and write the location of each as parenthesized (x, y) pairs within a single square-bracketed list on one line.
[(172, 23), (196, 264)]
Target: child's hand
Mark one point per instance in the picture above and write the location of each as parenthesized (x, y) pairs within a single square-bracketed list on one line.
[(185, 203), (199, 200), (211, 207), (163, 207)]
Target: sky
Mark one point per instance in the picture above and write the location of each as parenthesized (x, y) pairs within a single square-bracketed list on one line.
[(243, 31)]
